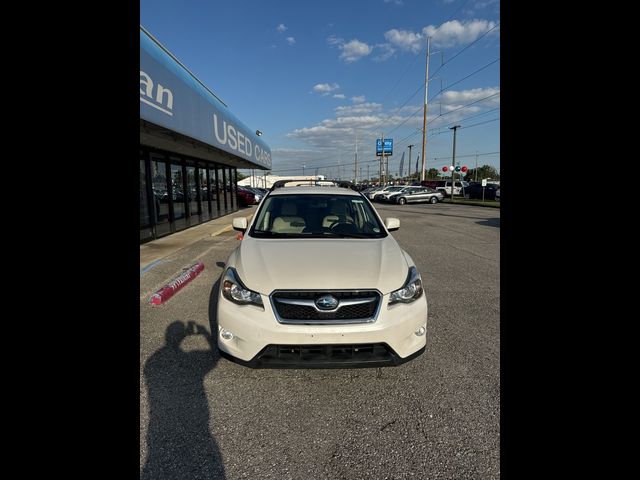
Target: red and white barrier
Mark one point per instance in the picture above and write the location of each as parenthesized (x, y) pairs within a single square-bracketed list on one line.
[(166, 292)]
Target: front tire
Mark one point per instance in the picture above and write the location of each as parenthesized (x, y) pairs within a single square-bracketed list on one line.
[(402, 201), (433, 200)]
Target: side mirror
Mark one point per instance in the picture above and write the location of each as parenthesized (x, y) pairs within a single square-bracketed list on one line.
[(392, 223), (240, 224)]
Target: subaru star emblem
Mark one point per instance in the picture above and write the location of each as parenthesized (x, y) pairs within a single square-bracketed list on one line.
[(327, 302)]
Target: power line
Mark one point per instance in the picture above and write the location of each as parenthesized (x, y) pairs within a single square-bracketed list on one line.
[(419, 54), (374, 161), (475, 41), (471, 74), (419, 130)]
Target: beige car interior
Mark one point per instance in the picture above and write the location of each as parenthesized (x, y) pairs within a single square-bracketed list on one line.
[(339, 213), (288, 221)]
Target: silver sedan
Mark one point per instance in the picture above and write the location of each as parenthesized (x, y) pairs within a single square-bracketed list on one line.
[(422, 195)]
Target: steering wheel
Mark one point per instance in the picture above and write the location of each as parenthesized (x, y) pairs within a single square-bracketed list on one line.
[(335, 223), (346, 227)]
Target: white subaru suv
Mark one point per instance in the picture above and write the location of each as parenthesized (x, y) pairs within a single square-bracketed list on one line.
[(317, 281)]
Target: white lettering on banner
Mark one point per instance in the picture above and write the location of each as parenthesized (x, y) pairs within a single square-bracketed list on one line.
[(228, 135), (241, 143), (162, 93), (231, 134), (215, 129), (262, 156)]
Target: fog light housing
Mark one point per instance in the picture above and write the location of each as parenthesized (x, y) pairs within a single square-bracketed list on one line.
[(226, 334), (421, 331)]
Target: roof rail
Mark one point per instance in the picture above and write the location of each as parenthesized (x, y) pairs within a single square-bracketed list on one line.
[(316, 183)]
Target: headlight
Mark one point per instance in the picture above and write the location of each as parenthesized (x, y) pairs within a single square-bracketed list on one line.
[(234, 291), (411, 291)]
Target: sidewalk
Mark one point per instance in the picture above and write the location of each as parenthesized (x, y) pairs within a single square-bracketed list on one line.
[(155, 250)]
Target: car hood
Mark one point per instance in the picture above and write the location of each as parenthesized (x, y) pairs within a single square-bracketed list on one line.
[(265, 265)]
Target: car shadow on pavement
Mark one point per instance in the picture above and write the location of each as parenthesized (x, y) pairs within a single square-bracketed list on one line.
[(490, 222), (179, 440)]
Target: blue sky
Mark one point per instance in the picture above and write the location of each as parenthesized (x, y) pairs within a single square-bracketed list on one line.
[(313, 76)]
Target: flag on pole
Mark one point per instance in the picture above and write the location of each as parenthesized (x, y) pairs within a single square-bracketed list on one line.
[(401, 165), (417, 163)]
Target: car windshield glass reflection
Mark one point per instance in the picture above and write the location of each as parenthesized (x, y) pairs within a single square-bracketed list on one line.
[(316, 216)]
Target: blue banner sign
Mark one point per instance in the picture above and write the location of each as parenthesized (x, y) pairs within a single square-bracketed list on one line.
[(170, 96), (388, 146)]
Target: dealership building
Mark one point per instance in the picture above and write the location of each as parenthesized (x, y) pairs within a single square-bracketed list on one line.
[(191, 146)]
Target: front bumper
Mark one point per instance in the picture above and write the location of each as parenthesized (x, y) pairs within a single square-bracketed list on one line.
[(259, 340)]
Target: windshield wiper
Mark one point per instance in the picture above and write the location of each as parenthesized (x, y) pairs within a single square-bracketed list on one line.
[(345, 235), (269, 233)]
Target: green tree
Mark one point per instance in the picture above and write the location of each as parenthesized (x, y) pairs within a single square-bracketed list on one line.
[(432, 173), (485, 171)]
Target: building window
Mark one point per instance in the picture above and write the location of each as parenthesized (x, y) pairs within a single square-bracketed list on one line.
[(179, 198), (160, 194)]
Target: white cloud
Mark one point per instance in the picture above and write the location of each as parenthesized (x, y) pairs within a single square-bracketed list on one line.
[(405, 40), (333, 40), (341, 96), (449, 34), (360, 119), (291, 40), (360, 109), (386, 51), (454, 32), (459, 98), (358, 99), (325, 88), (354, 50), (281, 28), (397, 2)]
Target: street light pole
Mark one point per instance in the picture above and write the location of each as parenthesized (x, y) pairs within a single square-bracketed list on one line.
[(453, 170), (424, 117)]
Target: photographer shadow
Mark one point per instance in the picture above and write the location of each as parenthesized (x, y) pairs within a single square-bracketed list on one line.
[(179, 440)]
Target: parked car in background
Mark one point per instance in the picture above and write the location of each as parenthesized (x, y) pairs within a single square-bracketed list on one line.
[(421, 194), (475, 191), (383, 195), (245, 197), (391, 195), (498, 194), (372, 193), (382, 190), (258, 195)]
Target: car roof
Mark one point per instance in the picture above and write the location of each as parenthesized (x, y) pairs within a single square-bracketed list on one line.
[(310, 190)]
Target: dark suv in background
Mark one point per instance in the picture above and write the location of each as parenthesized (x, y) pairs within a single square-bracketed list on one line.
[(474, 190)]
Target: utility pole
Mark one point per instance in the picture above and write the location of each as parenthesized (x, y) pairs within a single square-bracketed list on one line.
[(368, 175), (475, 179), (355, 173), (409, 169), (453, 170), (424, 116)]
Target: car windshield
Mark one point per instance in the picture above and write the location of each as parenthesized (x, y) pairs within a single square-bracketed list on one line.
[(316, 216)]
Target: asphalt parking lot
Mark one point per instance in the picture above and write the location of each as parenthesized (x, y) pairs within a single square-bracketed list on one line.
[(437, 416)]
